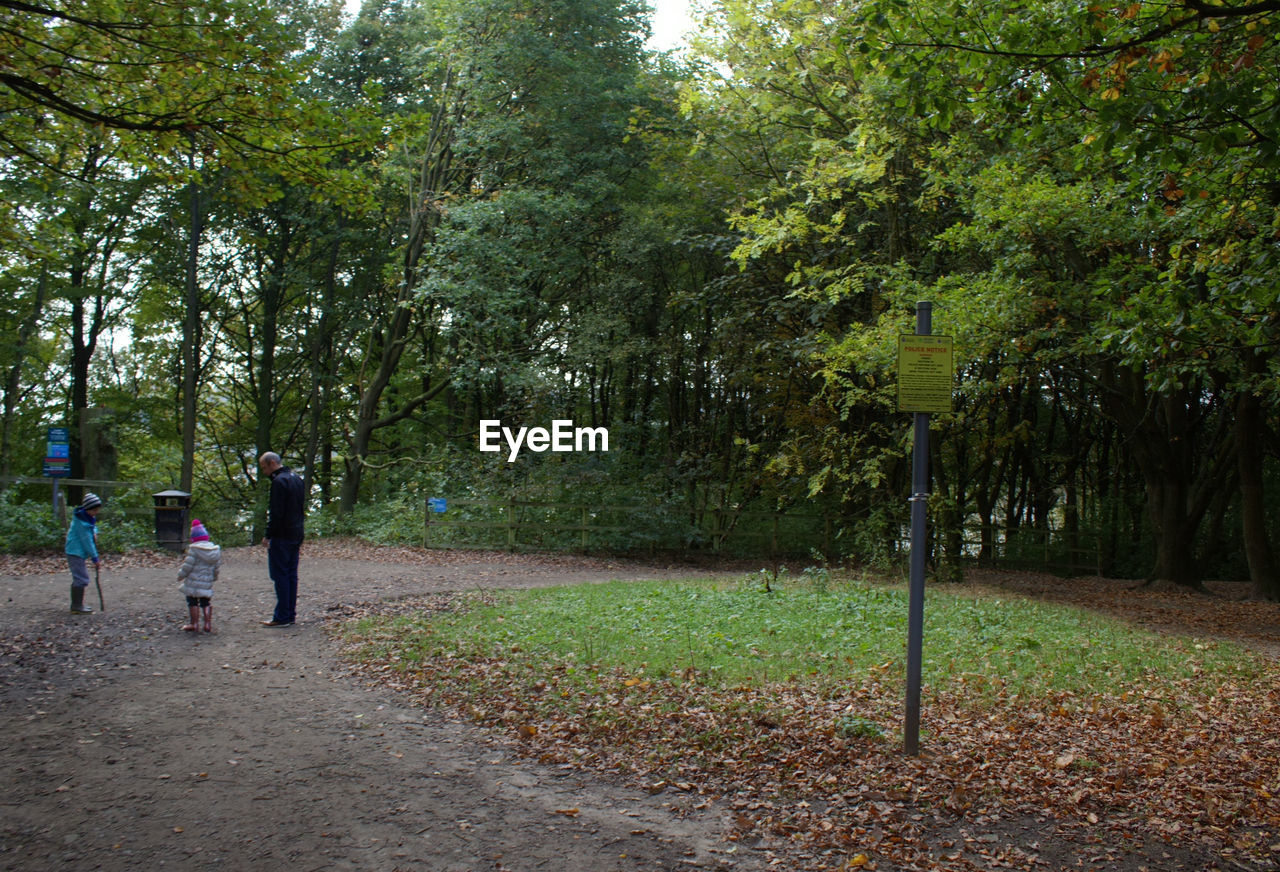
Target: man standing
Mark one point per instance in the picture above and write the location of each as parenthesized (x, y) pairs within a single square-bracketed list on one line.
[(284, 536)]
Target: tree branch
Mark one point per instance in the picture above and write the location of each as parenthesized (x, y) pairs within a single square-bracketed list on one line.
[(1200, 12), (408, 408)]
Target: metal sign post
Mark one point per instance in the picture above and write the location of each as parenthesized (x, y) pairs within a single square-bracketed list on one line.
[(435, 506), (924, 386)]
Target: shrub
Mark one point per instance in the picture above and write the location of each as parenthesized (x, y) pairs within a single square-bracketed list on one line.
[(120, 532), (28, 526)]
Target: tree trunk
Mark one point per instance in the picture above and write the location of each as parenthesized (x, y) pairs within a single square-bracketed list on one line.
[(13, 380), (1175, 560), (1253, 509), (321, 367), (191, 334), (1181, 447), (87, 311), (371, 398), (433, 180), (273, 294), (89, 276), (949, 517)]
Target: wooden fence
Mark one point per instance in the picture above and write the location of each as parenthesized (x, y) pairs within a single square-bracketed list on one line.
[(531, 525), (104, 488), (1066, 553), (516, 524)]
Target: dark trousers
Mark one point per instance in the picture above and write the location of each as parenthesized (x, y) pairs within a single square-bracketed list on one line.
[(282, 566)]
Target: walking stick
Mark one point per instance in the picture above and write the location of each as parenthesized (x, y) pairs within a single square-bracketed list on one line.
[(102, 607)]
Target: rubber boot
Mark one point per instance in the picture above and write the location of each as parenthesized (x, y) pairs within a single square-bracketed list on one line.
[(208, 618), (77, 602), (193, 623)]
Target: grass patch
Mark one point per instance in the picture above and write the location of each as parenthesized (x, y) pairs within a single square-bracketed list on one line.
[(822, 634)]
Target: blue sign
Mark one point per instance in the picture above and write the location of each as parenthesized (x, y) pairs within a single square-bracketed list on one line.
[(438, 505), (57, 455)]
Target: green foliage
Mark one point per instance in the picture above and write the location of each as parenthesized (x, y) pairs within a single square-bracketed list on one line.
[(118, 532), (112, 68), (394, 520), (851, 726), (28, 525)]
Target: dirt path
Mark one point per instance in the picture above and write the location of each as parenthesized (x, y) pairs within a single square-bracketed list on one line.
[(127, 744)]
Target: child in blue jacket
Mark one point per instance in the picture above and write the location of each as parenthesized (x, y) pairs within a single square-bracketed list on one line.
[(82, 546)]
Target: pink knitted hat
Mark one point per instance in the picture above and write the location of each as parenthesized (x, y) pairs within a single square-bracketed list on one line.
[(198, 532)]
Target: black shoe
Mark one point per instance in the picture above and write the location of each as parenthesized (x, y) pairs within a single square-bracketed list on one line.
[(274, 623)]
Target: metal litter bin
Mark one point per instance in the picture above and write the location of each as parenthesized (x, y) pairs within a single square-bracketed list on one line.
[(173, 519)]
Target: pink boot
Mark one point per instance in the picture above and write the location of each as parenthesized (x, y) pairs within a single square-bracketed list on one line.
[(193, 625), (208, 619)]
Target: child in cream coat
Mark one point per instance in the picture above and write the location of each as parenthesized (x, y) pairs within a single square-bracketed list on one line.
[(197, 575)]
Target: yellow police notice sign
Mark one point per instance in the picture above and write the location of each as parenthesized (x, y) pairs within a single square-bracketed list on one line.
[(924, 373)]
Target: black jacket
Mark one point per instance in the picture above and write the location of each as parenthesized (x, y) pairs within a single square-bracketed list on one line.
[(285, 510)]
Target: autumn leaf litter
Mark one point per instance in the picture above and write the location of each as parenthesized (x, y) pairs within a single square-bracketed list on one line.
[(1152, 778)]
